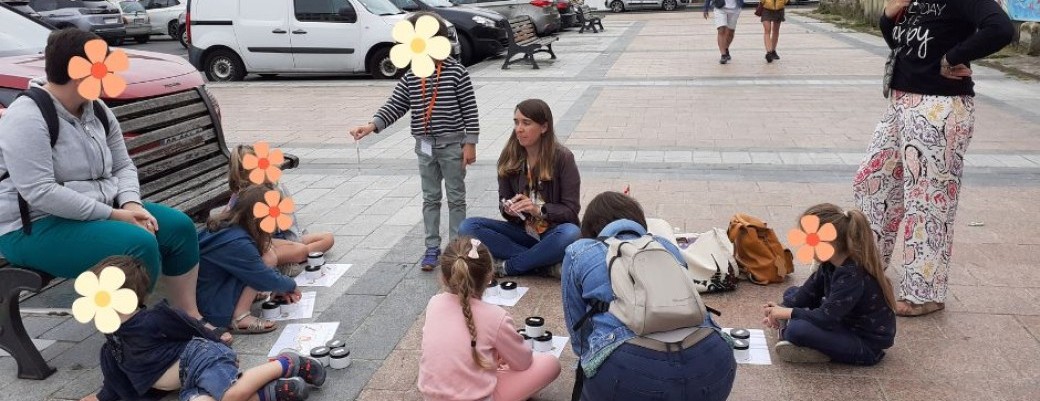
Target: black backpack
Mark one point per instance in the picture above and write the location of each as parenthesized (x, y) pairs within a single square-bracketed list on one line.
[(50, 116)]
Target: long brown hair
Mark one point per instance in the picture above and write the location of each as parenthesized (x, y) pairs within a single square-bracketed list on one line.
[(855, 239), (241, 214), (238, 176), (467, 277), (608, 207), (514, 155)]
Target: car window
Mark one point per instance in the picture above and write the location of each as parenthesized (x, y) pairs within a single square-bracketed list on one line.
[(131, 7), (405, 4), (381, 7), (439, 3), (20, 35), (319, 10)]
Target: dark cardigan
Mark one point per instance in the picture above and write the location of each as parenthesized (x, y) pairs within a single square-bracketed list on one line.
[(562, 194)]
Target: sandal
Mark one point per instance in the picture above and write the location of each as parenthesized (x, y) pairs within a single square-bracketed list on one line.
[(907, 309), (259, 326), (218, 332)]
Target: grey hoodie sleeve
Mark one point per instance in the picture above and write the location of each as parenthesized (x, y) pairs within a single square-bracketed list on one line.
[(122, 166), (27, 155)]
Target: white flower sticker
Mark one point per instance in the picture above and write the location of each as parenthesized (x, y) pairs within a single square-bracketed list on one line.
[(417, 45), (102, 298)]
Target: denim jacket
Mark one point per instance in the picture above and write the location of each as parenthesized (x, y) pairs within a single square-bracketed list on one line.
[(585, 277)]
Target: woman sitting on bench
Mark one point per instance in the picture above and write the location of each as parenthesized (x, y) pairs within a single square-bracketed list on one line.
[(67, 204)]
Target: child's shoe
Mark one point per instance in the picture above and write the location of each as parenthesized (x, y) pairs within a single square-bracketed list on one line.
[(304, 367), (291, 389), (429, 260), (789, 352)]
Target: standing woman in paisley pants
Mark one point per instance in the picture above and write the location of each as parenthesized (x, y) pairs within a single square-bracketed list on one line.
[(912, 172)]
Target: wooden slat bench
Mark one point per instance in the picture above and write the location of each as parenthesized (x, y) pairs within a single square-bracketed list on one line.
[(523, 39), (177, 144), (588, 20)]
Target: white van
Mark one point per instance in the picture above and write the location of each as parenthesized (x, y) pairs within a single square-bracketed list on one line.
[(232, 38)]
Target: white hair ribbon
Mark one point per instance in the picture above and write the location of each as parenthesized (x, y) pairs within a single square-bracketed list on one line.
[(473, 251)]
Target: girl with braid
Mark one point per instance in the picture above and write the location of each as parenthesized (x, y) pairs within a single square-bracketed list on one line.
[(470, 349)]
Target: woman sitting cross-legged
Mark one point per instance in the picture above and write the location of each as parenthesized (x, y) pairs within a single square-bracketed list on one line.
[(540, 187)]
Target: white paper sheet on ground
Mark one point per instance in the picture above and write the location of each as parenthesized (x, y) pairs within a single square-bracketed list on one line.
[(559, 344), (330, 273), (302, 337), (759, 348), (304, 308), (498, 300), (40, 345)]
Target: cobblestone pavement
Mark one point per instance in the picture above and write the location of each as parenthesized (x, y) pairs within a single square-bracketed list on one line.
[(645, 104)]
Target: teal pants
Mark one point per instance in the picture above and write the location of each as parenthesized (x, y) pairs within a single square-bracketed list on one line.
[(66, 248)]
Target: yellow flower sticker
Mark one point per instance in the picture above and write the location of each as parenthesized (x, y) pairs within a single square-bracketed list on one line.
[(99, 70), (265, 164), (417, 45), (812, 239), (274, 212), (103, 298)]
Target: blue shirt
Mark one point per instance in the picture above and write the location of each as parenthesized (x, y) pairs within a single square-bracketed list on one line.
[(845, 296), (585, 277), (145, 346), (228, 262)]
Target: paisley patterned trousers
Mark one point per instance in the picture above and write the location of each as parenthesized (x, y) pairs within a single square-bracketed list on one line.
[(912, 175)]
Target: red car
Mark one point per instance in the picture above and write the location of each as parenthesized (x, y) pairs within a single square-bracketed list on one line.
[(151, 75)]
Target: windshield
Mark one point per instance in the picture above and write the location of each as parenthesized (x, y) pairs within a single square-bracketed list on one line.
[(439, 3), (131, 7), (381, 7), (20, 35)]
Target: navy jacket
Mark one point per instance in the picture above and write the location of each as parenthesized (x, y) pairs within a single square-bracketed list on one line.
[(847, 296), (228, 262), (136, 356)]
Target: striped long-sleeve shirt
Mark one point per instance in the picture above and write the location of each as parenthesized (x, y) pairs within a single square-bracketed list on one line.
[(454, 118)]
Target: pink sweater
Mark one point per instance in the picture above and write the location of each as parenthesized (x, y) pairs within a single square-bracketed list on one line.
[(447, 371)]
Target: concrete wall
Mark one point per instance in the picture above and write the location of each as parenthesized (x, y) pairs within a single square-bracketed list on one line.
[(868, 11)]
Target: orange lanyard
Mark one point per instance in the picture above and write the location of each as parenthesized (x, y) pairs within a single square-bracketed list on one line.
[(428, 114)]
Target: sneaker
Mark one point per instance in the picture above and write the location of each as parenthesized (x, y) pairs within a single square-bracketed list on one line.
[(555, 271), (305, 367), (291, 389), (429, 260), (724, 59), (769, 57), (775, 56), (789, 352), (500, 268)]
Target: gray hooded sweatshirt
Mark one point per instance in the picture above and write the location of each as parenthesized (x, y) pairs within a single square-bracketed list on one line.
[(79, 179)]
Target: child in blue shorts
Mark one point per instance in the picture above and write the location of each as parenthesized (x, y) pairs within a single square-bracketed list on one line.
[(161, 349)]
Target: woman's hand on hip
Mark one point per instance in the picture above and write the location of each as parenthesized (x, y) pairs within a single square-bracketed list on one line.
[(955, 72), (469, 154)]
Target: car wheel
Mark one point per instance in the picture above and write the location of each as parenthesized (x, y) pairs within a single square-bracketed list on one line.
[(617, 6), (669, 5), (116, 42), (224, 65), (171, 29), (183, 37), (142, 39), (381, 67), (466, 54)]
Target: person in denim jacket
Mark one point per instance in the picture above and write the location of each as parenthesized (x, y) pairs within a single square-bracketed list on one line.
[(704, 371)]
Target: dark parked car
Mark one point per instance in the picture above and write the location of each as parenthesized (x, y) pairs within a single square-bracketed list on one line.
[(482, 32), (568, 14), (97, 16)]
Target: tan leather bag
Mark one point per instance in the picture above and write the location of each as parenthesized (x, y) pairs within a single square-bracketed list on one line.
[(758, 252)]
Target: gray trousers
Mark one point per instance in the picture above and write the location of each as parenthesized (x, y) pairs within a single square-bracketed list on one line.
[(444, 165)]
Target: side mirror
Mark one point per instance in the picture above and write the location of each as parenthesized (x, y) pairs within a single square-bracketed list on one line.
[(347, 14)]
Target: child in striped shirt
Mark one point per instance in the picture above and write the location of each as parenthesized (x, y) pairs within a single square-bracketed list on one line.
[(445, 125)]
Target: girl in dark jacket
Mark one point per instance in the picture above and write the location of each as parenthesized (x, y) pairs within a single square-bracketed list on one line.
[(540, 188)]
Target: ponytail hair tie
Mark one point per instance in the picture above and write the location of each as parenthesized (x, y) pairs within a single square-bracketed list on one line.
[(473, 344), (847, 213), (473, 251)]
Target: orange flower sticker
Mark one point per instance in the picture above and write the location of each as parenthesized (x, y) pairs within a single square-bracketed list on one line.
[(99, 70), (274, 211), (264, 164), (813, 240)]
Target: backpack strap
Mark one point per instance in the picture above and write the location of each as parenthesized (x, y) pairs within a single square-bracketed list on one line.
[(102, 116), (50, 116)]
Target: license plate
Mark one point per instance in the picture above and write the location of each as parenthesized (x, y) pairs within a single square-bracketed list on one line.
[(111, 20)]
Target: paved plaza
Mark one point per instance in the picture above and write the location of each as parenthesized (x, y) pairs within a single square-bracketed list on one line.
[(646, 105)]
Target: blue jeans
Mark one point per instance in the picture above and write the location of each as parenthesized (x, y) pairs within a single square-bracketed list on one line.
[(207, 368), (704, 372), (841, 344), (521, 252)]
